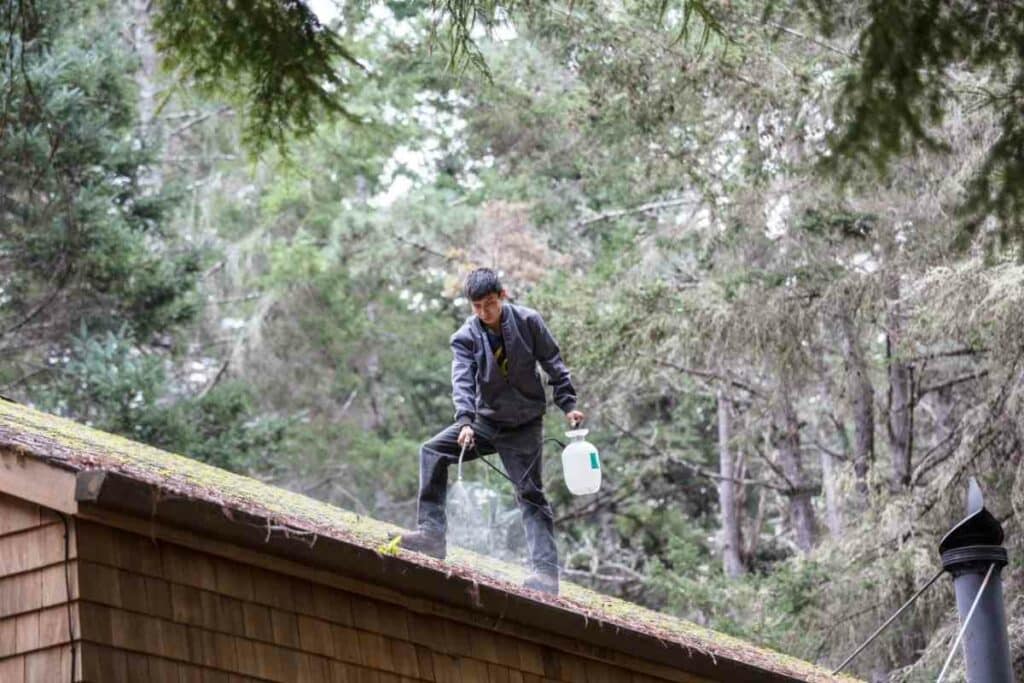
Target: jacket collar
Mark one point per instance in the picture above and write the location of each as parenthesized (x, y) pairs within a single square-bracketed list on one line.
[(506, 319)]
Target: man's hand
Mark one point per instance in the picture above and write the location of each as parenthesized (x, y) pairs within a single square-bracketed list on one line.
[(467, 437), (575, 418)]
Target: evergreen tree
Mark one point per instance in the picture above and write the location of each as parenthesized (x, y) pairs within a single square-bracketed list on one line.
[(83, 236), (95, 282)]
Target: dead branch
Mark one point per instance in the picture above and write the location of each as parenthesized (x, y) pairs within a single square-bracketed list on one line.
[(238, 299), (708, 374), (199, 119), (774, 467), (693, 467), (61, 281), (820, 43), (595, 505), (953, 382), (643, 208), (421, 247), (947, 354)]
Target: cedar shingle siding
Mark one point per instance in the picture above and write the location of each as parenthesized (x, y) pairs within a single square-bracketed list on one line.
[(181, 614), (34, 642)]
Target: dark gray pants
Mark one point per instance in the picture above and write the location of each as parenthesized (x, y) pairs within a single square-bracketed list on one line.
[(520, 450)]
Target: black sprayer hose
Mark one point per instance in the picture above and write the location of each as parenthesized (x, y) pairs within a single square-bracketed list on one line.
[(526, 473), (502, 473)]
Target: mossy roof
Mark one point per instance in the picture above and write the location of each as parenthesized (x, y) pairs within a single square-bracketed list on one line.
[(79, 447)]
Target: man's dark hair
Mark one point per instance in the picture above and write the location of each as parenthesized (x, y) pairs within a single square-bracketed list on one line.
[(480, 283)]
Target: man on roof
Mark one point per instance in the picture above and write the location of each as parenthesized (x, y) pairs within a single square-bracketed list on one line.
[(499, 407)]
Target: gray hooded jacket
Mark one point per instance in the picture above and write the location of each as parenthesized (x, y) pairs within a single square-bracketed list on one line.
[(479, 387)]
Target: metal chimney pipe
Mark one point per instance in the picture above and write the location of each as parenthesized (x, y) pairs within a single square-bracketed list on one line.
[(968, 551)]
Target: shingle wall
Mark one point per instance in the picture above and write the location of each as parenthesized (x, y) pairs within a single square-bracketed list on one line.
[(36, 614), (156, 611)]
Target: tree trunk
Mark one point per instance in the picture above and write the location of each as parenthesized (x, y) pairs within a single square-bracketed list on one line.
[(862, 397), (146, 78), (942, 407), (142, 38), (801, 510), (754, 530), (374, 420), (732, 544), (901, 399), (833, 510)]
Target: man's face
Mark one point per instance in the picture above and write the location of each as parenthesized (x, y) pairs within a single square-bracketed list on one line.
[(488, 309)]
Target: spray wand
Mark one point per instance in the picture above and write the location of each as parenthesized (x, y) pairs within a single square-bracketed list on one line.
[(462, 453)]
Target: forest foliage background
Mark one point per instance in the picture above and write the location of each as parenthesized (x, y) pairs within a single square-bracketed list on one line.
[(779, 243)]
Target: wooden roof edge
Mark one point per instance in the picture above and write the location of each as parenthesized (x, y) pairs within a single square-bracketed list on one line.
[(36, 480), (102, 490)]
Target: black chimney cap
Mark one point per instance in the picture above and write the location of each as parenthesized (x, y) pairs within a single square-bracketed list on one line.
[(979, 527)]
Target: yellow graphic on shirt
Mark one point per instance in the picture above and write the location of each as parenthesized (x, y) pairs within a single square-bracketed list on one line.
[(502, 360)]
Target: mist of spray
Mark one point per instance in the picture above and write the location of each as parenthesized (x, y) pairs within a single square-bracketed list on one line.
[(479, 520)]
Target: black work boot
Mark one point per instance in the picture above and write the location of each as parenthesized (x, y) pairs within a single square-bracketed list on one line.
[(543, 582), (426, 542)]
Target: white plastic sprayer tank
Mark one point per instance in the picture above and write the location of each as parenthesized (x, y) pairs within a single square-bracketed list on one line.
[(581, 464)]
